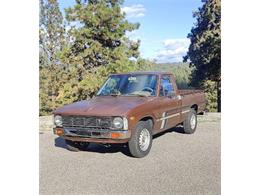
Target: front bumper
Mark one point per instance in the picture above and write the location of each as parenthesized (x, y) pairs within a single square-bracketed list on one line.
[(104, 136)]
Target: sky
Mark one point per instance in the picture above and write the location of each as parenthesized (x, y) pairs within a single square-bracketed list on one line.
[(164, 26)]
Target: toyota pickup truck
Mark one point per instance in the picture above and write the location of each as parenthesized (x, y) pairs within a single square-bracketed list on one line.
[(129, 109)]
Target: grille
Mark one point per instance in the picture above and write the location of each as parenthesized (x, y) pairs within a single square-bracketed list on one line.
[(87, 122)]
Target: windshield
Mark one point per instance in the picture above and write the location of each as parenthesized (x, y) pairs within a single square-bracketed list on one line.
[(129, 85)]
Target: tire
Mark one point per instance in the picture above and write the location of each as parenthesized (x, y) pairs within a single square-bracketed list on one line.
[(139, 147), (190, 123), (76, 146)]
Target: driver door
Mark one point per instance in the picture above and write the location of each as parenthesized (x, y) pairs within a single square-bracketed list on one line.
[(170, 105)]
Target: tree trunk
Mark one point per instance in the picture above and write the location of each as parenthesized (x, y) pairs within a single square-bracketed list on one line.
[(219, 95)]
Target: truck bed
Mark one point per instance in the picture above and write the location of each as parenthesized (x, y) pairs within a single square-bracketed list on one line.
[(196, 97), (189, 91)]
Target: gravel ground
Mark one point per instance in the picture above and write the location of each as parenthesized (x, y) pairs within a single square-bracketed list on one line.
[(177, 164)]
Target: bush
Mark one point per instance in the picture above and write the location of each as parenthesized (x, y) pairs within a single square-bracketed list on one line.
[(181, 71), (210, 89)]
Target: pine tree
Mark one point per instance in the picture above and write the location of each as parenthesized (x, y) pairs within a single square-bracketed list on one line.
[(97, 47), (51, 41), (52, 31), (73, 66), (205, 49), (98, 35)]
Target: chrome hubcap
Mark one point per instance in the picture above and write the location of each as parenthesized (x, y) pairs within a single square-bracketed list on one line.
[(144, 139), (193, 121)]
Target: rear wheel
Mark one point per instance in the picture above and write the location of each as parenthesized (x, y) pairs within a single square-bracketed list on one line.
[(190, 123), (141, 140), (76, 146)]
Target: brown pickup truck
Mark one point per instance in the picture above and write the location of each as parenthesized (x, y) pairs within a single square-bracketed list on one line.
[(129, 108)]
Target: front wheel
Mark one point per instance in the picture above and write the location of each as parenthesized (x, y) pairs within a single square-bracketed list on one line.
[(141, 140), (76, 146), (190, 123)]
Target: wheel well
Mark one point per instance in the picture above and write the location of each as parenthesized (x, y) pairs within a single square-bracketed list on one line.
[(150, 119), (195, 107)]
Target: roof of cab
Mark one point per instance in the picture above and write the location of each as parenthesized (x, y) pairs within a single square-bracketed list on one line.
[(144, 72)]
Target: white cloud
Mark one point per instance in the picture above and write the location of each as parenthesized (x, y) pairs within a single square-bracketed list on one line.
[(174, 50), (133, 35), (134, 11)]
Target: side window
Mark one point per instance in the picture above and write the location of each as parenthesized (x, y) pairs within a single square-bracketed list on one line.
[(166, 86)]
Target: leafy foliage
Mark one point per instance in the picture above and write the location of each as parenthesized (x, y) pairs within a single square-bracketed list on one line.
[(51, 41), (80, 59), (99, 36), (51, 32), (210, 89), (181, 71), (205, 49)]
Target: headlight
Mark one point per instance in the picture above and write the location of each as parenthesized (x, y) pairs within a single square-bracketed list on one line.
[(118, 123), (58, 120)]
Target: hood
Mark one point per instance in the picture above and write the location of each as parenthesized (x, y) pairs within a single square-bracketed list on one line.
[(103, 106)]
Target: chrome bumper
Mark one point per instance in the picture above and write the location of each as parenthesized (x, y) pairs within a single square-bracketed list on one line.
[(98, 134)]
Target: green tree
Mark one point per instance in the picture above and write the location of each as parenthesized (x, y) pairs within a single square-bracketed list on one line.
[(98, 35), (98, 46), (204, 51), (181, 72), (51, 41), (52, 31), (94, 45)]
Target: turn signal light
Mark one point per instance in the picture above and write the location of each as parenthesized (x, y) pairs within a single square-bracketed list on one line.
[(132, 118), (59, 132), (115, 135)]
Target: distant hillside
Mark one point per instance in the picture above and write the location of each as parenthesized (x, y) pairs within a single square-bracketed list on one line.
[(180, 70), (169, 66)]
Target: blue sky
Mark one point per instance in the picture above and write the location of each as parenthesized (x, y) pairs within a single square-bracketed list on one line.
[(164, 26)]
